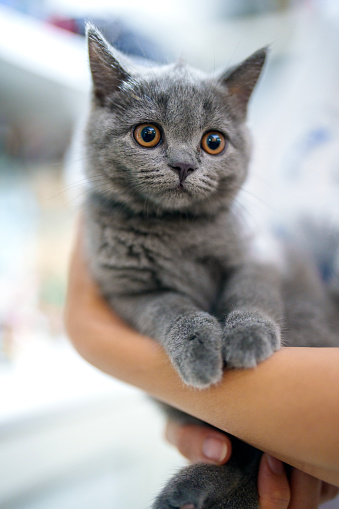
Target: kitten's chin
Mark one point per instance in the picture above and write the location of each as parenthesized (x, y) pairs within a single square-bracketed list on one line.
[(175, 198)]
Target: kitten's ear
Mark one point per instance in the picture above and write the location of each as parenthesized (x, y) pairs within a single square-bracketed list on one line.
[(241, 80), (106, 63)]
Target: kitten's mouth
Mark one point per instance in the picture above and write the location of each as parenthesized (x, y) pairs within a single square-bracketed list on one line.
[(181, 188)]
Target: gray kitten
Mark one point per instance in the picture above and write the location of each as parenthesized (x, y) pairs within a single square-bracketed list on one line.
[(167, 152)]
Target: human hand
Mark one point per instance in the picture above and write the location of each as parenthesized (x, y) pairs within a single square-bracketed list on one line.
[(276, 489)]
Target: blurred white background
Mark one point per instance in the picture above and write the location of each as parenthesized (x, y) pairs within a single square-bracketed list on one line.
[(70, 436)]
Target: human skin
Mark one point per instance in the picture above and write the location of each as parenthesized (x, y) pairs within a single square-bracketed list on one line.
[(287, 406), (299, 490)]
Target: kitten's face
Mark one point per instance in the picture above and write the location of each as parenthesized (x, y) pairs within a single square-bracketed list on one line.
[(164, 139)]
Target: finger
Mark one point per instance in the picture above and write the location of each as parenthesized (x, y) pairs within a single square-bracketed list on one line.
[(305, 490), (273, 487), (199, 443), (328, 492)]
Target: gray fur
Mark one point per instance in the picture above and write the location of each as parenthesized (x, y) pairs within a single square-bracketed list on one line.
[(168, 252), (233, 486)]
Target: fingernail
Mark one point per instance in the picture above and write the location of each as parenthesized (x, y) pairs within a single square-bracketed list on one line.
[(214, 449), (275, 465)]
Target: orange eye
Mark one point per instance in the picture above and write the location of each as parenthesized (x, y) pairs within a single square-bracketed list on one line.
[(213, 143), (147, 135)]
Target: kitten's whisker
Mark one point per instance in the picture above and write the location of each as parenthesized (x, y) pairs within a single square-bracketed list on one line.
[(261, 178), (79, 159), (64, 189), (70, 187), (252, 195)]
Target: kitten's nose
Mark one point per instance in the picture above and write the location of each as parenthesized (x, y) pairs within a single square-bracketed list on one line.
[(183, 169)]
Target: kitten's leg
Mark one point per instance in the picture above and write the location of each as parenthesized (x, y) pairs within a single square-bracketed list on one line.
[(191, 337), (252, 303), (230, 486)]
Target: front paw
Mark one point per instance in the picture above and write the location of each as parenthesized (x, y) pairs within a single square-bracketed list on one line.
[(194, 347), (249, 338)]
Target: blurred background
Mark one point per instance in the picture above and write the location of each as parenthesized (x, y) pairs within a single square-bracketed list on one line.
[(70, 436)]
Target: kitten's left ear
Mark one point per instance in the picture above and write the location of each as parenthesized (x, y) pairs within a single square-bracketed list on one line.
[(108, 66), (241, 80)]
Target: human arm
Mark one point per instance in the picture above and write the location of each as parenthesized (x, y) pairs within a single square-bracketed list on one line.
[(287, 406), (204, 444)]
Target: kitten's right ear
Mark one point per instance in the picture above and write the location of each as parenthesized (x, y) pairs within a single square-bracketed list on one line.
[(106, 63)]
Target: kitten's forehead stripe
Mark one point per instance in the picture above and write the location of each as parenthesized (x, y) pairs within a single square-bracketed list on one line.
[(185, 107)]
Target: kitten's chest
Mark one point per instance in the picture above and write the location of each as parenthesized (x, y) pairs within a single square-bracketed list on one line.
[(138, 255)]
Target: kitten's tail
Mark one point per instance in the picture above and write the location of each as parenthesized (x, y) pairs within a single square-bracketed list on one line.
[(320, 239)]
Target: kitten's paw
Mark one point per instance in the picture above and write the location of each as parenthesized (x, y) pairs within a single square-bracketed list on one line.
[(249, 338), (190, 488), (209, 486), (194, 347), (181, 496)]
